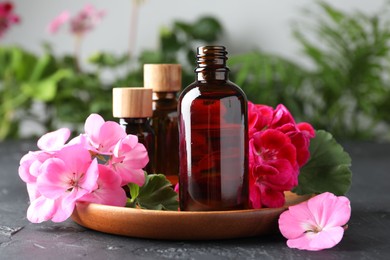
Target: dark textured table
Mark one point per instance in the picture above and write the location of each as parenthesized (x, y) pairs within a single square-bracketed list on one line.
[(368, 236)]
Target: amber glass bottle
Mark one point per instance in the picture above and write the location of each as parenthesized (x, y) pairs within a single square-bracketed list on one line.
[(213, 138), (133, 107), (165, 80)]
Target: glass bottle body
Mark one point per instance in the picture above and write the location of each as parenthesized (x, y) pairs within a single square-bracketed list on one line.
[(142, 129), (213, 146), (164, 123)]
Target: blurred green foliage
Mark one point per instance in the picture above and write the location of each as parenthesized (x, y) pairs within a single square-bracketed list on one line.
[(345, 90)]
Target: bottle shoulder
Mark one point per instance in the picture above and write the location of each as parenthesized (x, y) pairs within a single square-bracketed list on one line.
[(210, 88)]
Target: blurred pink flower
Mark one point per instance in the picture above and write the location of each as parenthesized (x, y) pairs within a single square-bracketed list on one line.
[(316, 224), (7, 17), (84, 21), (61, 19)]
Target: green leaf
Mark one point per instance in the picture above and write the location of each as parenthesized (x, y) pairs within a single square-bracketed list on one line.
[(46, 89), (134, 190), (328, 168), (157, 194), (206, 29)]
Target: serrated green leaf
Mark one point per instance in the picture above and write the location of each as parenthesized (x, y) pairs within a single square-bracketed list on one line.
[(328, 168), (157, 194)]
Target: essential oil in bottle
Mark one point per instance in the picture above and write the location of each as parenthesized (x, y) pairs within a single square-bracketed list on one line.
[(213, 138), (133, 107), (165, 80)]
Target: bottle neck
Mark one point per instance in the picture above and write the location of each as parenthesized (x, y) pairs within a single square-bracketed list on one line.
[(133, 121), (164, 95), (211, 64)]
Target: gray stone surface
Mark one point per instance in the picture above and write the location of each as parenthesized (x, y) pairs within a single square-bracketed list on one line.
[(368, 236)]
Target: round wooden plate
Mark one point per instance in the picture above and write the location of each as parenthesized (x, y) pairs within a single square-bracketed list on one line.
[(181, 225)]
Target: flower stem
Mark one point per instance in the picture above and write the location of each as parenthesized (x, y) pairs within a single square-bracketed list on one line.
[(133, 27)]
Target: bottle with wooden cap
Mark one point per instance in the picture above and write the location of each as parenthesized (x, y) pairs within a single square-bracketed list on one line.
[(165, 80), (133, 107), (213, 134)]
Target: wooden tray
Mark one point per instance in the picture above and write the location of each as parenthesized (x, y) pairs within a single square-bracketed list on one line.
[(179, 225)]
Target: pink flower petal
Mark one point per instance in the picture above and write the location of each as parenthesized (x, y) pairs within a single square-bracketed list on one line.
[(109, 191), (54, 180), (41, 209), (109, 135), (317, 241), (290, 226), (89, 179), (330, 210), (55, 25), (92, 127), (317, 223), (64, 210), (76, 157), (54, 141)]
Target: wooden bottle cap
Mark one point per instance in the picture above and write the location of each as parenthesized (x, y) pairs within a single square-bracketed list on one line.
[(162, 77), (132, 102)]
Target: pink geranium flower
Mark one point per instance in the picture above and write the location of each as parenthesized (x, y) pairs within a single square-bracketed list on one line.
[(49, 144), (128, 159), (109, 190), (61, 174), (316, 224), (103, 136), (62, 181), (7, 17)]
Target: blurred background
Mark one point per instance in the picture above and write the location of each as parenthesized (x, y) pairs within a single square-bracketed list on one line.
[(326, 61)]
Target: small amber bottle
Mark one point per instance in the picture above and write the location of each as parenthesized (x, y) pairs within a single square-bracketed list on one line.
[(213, 138), (133, 107), (165, 80)]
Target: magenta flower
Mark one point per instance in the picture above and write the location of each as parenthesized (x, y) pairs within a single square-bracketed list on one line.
[(7, 17), (259, 117), (278, 148), (272, 163), (316, 224), (62, 181)]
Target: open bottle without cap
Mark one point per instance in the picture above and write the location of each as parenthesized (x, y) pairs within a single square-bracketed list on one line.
[(213, 138)]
